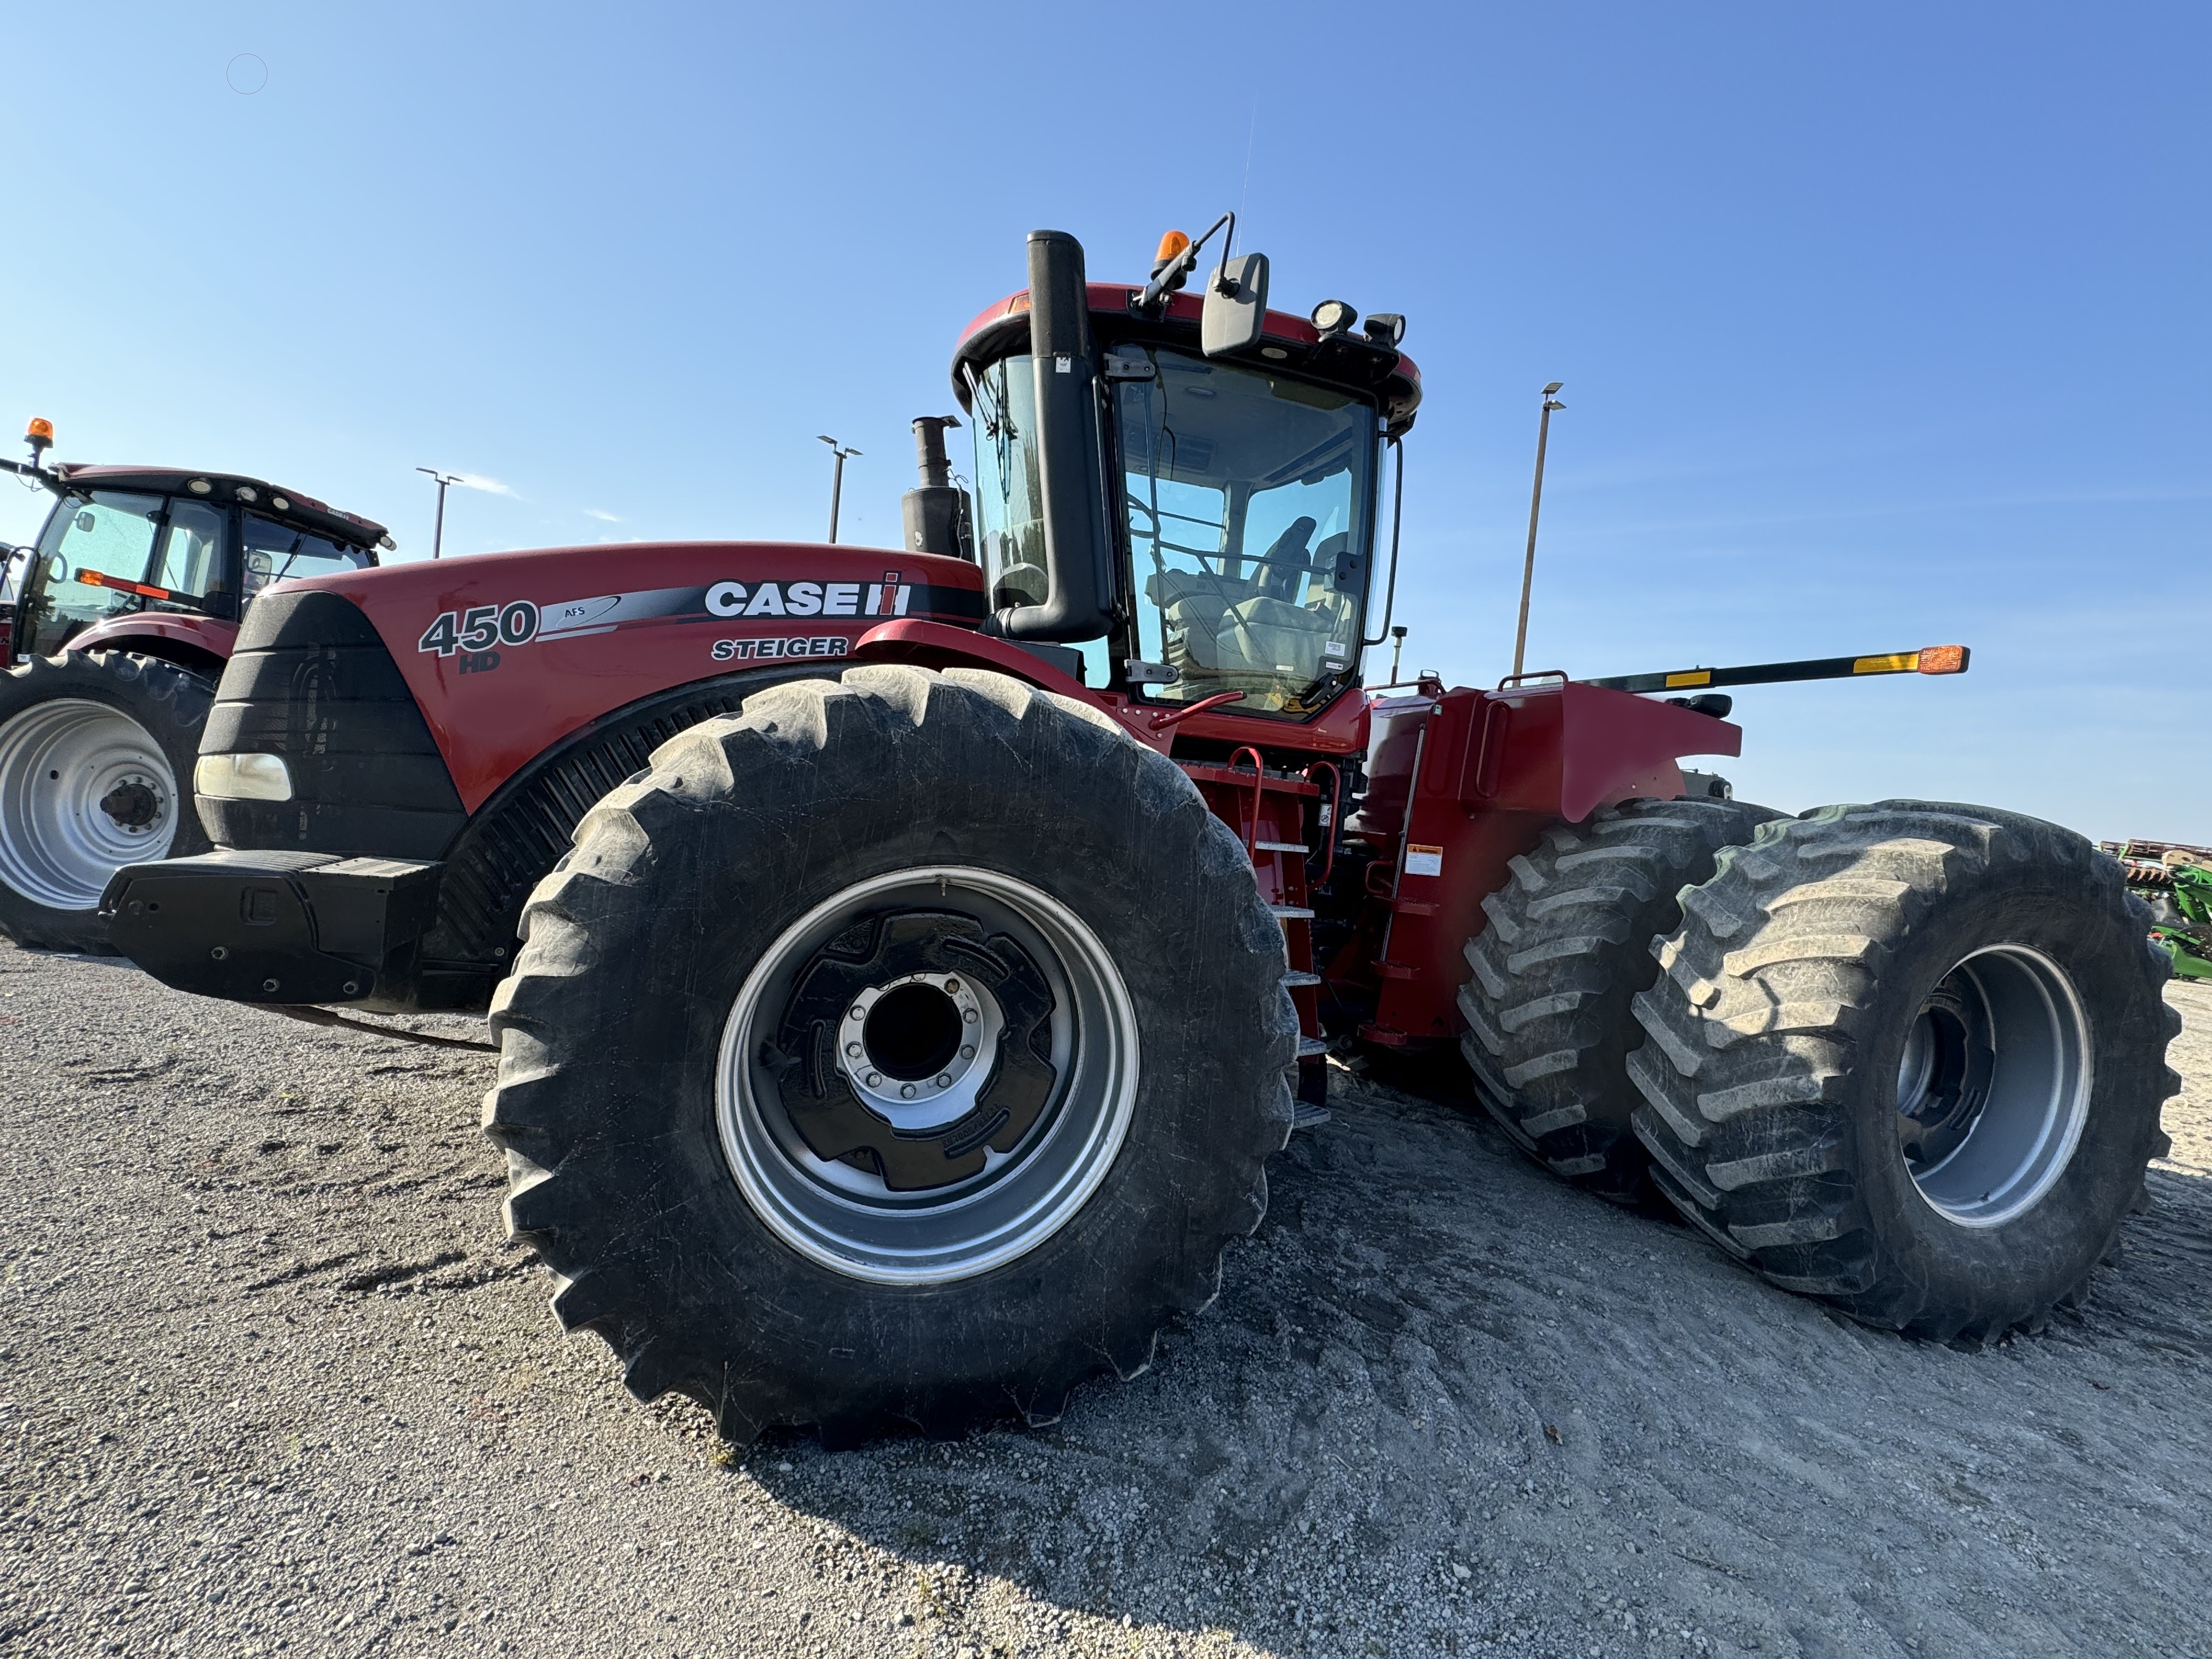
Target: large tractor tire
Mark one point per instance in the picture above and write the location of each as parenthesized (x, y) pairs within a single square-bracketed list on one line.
[(96, 754), (899, 1050), (1910, 1058), (1567, 948)]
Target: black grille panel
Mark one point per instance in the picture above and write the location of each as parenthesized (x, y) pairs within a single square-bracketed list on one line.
[(311, 681)]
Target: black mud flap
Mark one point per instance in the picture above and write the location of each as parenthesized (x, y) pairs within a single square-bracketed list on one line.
[(272, 926)]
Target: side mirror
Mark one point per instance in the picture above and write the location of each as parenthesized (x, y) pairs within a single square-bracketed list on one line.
[(1235, 306)]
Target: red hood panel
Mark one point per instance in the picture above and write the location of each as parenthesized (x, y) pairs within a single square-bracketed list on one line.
[(508, 653)]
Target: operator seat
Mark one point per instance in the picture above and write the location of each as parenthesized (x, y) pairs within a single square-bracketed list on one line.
[(1264, 642), (1192, 603)]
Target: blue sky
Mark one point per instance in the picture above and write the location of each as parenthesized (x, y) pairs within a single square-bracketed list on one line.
[(1881, 326)]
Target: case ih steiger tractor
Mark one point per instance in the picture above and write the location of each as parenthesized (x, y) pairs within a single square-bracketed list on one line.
[(114, 627), (904, 963)]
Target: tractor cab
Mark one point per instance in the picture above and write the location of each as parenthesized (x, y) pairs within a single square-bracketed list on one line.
[(1194, 507), (128, 539)]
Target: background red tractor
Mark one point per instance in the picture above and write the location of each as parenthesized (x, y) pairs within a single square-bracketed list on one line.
[(114, 626), (902, 960)]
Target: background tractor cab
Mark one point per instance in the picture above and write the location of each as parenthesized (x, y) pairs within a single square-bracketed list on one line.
[(164, 561), (1183, 489), (114, 627)]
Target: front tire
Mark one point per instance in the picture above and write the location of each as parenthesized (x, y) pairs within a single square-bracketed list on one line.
[(1910, 1058), (96, 755), (900, 1049)]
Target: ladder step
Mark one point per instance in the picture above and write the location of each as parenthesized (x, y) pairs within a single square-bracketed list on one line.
[(1291, 913), (1297, 979), (1281, 847), (1305, 1114), (1311, 1048)]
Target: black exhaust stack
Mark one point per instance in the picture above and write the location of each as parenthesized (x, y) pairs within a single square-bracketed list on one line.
[(1080, 603), (936, 510)]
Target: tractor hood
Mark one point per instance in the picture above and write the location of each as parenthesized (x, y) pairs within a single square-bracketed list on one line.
[(517, 650)]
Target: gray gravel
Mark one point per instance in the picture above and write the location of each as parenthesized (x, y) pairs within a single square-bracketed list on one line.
[(271, 1380)]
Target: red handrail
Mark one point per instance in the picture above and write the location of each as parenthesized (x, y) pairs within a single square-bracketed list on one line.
[(1163, 719)]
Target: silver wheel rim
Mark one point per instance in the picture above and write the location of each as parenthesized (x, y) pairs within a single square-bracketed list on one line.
[(84, 789), (1993, 1086), (848, 1218)]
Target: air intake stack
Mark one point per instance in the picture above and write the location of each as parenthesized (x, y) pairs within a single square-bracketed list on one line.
[(936, 510)]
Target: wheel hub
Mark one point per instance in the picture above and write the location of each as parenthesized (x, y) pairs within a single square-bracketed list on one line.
[(133, 803), (1993, 1086), (883, 988), (911, 1038), (912, 1049), (1943, 1079)]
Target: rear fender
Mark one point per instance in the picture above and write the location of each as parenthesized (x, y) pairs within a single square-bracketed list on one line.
[(1563, 749), (1460, 783), (202, 644)]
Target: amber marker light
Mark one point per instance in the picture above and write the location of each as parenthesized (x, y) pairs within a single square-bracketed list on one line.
[(144, 590), (1942, 659)]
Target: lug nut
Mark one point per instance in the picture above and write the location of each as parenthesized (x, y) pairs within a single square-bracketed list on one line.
[(944, 1079), (969, 1015), (951, 987), (268, 984), (220, 953), (906, 1091), (853, 1050), (968, 1051), (859, 1013), (875, 1079)]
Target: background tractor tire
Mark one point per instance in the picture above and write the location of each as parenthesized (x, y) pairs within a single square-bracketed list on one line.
[(1567, 949), (96, 755), (690, 1148), (1910, 1058)]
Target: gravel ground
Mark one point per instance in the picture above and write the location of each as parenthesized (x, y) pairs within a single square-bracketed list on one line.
[(271, 1380)]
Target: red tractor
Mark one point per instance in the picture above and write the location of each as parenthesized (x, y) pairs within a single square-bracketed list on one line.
[(114, 627), (904, 963)]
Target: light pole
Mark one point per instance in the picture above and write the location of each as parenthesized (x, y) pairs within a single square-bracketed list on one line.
[(438, 536), (836, 478), (1535, 502)]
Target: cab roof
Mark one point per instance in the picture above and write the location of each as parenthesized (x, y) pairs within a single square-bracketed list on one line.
[(1350, 361), (226, 487)]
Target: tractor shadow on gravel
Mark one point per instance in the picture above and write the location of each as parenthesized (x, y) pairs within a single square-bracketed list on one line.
[(1442, 1400)]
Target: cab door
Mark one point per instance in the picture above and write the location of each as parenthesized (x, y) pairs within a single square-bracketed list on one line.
[(183, 547)]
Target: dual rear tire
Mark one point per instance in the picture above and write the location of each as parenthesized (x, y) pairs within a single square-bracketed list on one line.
[(1905, 1057)]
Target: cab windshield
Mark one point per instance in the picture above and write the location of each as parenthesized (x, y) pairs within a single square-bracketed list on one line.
[(278, 552), (1249, 502)]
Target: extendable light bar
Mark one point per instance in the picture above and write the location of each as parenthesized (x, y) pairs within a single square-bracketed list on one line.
[(1928, 660)]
